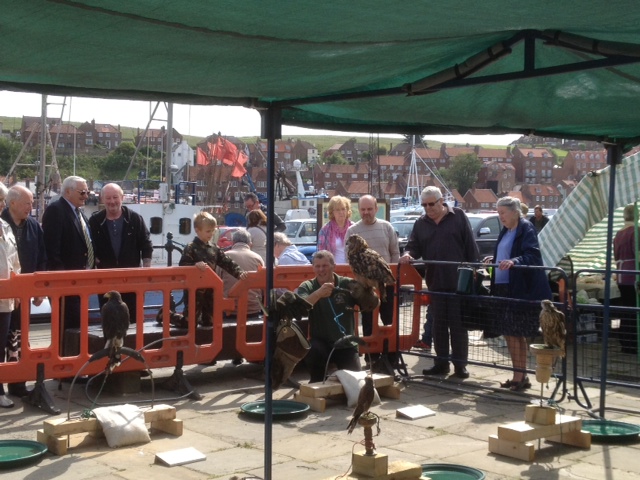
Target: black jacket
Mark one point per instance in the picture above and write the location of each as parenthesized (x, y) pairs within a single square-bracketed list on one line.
[(31, 249), (136, 243), (63, 237)]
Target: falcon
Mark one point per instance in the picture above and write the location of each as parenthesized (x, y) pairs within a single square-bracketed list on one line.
[(365, 399), (115, 323), (368, 266), (552, 325)]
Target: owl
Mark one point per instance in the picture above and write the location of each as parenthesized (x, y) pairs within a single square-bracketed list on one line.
[(552, 325), (368, 266)]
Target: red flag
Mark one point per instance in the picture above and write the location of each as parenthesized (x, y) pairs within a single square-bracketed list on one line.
[(231, 153), (242, 157), (219, 150), (201, 157), (238, 170)]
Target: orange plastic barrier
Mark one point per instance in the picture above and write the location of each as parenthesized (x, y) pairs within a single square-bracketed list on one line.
[(84, 283)]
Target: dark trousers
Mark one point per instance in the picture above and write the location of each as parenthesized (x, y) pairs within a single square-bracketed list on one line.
[(386, 313), (447, 324), (316, 359), (628, 332)]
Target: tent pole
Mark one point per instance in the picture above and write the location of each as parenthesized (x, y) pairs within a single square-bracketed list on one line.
[(271, 130), (614, 158)]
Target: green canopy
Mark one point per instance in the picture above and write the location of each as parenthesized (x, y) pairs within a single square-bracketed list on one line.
[(564, 69), (579, 227)]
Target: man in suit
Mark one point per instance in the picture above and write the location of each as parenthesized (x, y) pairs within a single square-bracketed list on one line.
[(120, 239), (68, 241)]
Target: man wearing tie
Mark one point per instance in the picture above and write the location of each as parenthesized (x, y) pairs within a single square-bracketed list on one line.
[(68, 241)]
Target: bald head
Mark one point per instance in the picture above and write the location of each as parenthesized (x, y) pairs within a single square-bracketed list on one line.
[(368, 207), (112, 196), (19, 203)]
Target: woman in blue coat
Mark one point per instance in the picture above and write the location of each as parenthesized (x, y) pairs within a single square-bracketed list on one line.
[(518, 245)]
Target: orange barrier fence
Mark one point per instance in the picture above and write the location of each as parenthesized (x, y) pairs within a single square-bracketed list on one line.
[(59, 363)]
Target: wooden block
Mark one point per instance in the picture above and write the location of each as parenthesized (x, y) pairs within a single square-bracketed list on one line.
[(390, 391), (540, 415), (523, 451), (172, 427), (62, 426), (316, 404), (334, 387), (398, 470), (370, 465), (56, 445), (159, 412), (523, 432), (576, 438)]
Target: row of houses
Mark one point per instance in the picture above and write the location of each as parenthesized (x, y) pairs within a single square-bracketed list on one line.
[(531, 173)]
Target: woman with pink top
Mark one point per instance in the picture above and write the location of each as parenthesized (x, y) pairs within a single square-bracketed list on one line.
[(331, 236)]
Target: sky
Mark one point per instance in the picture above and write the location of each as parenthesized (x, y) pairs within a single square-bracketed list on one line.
[(196, 120)]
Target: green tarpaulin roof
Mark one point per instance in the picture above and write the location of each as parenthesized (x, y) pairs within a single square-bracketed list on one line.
[(423, 67)]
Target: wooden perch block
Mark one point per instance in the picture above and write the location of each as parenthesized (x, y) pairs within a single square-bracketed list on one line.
[(55, 432)]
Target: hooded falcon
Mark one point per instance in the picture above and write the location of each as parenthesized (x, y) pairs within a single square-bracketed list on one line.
[(368, 266), (115, 323), (365, 399), (552, 325)]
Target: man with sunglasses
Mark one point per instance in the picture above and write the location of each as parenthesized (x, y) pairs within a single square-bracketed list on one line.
[(67, 239), (443, 234), (251, 202)]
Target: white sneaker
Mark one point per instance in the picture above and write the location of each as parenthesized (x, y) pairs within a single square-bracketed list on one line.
[(5, 402)]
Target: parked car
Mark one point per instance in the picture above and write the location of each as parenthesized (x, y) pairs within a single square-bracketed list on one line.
[(403, 229), (486, 228), (302, 232)]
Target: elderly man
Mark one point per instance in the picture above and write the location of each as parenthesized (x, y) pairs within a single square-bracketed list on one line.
[(381, 237), (330, 319), (286, 252), (443, 234), (251, 202), (33, 258), (249, 261), (120, 239), (68, 240)]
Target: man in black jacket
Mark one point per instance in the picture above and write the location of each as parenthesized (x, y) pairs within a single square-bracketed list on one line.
[(251, 202), (33, 258), (120, 239)]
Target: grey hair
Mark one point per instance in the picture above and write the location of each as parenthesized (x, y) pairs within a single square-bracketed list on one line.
[(70, 183), (4, 190), (280, 238), (320, 254), (241, 236), (431, 191), (511, 203), (16, 192)]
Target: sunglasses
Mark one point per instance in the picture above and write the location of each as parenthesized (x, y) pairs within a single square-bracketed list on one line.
[(83, 192), (430, 204)]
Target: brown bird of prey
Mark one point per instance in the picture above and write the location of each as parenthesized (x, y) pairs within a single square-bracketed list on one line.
[(368, 266), (552, 325), (365, 399), (115, 323)]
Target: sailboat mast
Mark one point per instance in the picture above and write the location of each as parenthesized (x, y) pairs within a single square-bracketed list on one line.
[(413, 184)]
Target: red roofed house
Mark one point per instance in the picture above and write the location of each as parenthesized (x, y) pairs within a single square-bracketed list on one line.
[(533, 165), (478, 199)]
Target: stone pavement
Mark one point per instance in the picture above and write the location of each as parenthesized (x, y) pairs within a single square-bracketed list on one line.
[(317, 446)]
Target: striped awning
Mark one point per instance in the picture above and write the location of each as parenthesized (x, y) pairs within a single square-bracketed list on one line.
[(579, 227)]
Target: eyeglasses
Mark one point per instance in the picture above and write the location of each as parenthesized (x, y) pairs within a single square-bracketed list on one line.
[(83, 192), (430, 204)]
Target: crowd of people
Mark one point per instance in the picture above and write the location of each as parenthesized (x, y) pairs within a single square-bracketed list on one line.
[(117, 237)]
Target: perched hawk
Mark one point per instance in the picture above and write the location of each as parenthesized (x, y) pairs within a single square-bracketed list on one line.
[(369, 268), (115, 323), (365, 399), (552, 325)]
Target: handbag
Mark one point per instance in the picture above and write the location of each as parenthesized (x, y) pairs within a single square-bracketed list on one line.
[(477, 311)]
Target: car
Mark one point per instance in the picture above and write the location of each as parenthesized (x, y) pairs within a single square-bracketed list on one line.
[(399, 218), (302, 231), (486, 228), (403, 229)]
